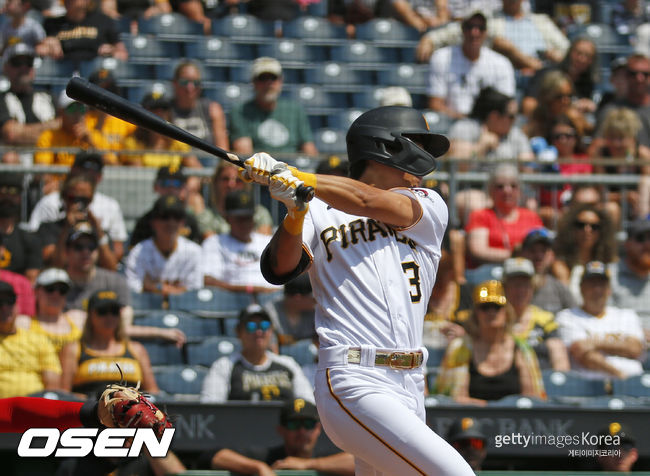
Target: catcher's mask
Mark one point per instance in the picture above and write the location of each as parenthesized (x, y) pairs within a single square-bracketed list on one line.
[(396, 136)]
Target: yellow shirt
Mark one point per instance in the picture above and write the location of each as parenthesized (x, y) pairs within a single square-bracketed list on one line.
[(23, 357), (62, 138), (57, 340), (153, 159), (113, 130)]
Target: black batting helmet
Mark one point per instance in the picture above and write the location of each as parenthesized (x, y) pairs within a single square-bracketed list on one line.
[(397, 136)]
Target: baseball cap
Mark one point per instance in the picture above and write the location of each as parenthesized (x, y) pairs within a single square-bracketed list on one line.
[(12, 182), (7, 288), (489, 291), (298, 409), (173, 172), (333, 165), (638, 227), (90, 161), (464, 428), (476, 14), (156, 100), (102, 298), (266, 64), (618, 63), (18, 49), (168, 204), (537, 235), (253, 310), (595, 269), (52, 276), (622, 431), (239, 203), (104, 78), (395, 96), (81, 229), (518, 267)]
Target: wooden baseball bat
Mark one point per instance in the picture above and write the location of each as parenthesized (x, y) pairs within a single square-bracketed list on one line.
[(83, 91)]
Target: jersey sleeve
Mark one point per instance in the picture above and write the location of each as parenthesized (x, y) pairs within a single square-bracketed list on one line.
[(429, 229)]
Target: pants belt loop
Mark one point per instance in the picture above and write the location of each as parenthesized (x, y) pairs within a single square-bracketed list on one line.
[(367, 356)]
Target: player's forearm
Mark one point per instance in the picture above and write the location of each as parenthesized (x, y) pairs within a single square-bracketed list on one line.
[(284, 252)]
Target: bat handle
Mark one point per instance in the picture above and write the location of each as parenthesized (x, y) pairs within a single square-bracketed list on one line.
[(305, 193)]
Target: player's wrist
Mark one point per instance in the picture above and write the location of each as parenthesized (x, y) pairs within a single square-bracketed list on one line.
[(307, 178), (294, 220)]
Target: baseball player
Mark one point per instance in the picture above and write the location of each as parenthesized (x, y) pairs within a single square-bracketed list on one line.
[(371, 245)]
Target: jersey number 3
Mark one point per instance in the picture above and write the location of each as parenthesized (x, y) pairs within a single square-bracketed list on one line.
[(412, 271)]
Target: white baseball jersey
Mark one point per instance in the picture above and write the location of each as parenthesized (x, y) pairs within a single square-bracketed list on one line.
[(372, 282), (576, 324), (183, 265), (238, 263)]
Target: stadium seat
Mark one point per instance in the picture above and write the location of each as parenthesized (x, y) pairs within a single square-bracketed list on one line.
[(339, 74), (213, 48), (210, 302), (637, 386), (195, 328), (571, 384), (243, 26), (303, 351), (314, 28), (312, 97), (330, 141), (47, 69), (614, 402), (211, 349), (363, 52), (180, 379), (229, 94), (519, 401), (142, 302), (343, 119), (171, 24), (410, 76), (145, 46), (163, 352), (120, 69), (290, 50), (386, 30), (368, 98)]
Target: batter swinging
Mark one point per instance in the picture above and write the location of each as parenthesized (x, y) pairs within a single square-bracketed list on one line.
[(371, 244)]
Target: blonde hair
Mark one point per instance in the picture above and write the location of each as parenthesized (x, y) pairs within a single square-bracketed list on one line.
[(621, 121)]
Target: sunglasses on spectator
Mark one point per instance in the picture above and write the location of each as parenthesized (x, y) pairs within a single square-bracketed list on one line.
[(9, 190), (185, 82), (501, 186), (564, 135), (253, 326), (474, 443), (18, 61), (633, 73), (266, 77), (84, 246), (60, 288), (642, 237), (489, 306), (583, 224), (85, 201), (174, 183), (110, 310), (7, 300), (472, 26), (178, 216), (307, 424)]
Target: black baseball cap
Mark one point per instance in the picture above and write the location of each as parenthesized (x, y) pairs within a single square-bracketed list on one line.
[(253, 310), (103, 298), (333, 166), (638, 227), (595, 269), (171, 172), (239, 203), (81, 229), (298, 409), (90, 161), (465, 428), (104, 78), (476, 14), (156, 100), (537, 235), (168, 204)]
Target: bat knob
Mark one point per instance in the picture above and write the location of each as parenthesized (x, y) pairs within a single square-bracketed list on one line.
[(305, 193)]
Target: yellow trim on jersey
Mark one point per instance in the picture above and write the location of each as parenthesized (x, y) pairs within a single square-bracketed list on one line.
[(401, 456)]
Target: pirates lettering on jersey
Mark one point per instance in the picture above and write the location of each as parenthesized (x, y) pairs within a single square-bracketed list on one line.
[(361, 229), (274, 383)]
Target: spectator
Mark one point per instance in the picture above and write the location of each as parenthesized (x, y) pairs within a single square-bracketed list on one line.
[(603, 341), (457, 73), (82, 34), (200, 116), (489, 363), (628, 15), (211, 219), (255, 373), (536, 326), (73, 133), (167, 263), (51, 207), (134, 10), (490, 132), (169, 181), (29, 362), (467, 437), (494, 233), (581, 66), (618, 81), (232, 261), (20, 250), (550, 294), (104, 354), (24, 112), (585, 233), (60, 328), (77, 193), (268, 122), (25, 300), (352, 13), (293, 316), (421, 15), (624, 452), (19, 28), (630, 277), (299, 427), (157, 145), (333, 165)]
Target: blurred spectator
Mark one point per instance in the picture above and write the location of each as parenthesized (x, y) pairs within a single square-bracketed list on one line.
[(628, 15), (467, 437), (549, 294), (20, 250), (52, 207), (494, 233), (630, 276), (489, 363), (167, 263), (585, 233), (293, 316), (211, 219), (333, 165), (198, 115), (232, 261), (82, 34), (199, 11), (73, 133), (618, 80), (154, 149), (77, 193), (354, 12), (104, 354), (29, 361), (624, 452), (25, 299), (24, 113), (134, 10), (255, 373), (526, 39), (553, 101), (421, 14), (489, 133), (60, 328), (603, 341), (299, 427), (457, 73), (268, 122), (535, 325), (581, 65), (18, 27), (169, 181)]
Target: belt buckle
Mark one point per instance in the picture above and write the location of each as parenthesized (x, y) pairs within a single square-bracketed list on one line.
[(395, 357)]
